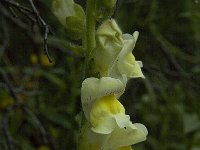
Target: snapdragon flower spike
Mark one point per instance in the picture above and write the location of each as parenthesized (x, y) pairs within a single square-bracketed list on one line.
[(113, 53)]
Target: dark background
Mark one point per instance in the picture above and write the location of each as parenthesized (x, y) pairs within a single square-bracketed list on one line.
[(167, 101)]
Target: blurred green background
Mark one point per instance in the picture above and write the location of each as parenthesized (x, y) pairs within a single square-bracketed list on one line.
[(167, 101)]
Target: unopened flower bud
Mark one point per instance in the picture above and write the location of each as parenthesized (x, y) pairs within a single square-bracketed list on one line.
[(71, 16)]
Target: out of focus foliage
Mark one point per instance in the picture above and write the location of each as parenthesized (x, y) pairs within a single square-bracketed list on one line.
[(167, 101)]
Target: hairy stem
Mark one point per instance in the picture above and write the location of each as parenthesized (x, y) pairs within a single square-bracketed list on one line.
[(89, 38)]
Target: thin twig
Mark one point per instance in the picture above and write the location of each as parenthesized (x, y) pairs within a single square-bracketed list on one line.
[(36, 38), (44, 25), (13, 12), (17, 5), (29, 13)]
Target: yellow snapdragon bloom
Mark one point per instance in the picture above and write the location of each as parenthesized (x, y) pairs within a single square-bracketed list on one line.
[(113, 53), (107, 126)]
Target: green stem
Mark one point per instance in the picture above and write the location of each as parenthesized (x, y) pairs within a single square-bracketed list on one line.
[(89, 38), (89, 45)]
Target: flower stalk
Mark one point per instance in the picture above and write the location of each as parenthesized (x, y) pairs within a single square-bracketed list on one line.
[(89, 35)]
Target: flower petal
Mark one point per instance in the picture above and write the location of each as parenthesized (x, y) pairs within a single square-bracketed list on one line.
[(122, 120), (93, 89), (135, 35), (131, 134), (109, 28), (108, 46), (108, 113), (126, 62)]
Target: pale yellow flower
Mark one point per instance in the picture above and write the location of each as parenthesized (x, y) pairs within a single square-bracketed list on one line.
[(107, 126), (119, 139), (113, 53)]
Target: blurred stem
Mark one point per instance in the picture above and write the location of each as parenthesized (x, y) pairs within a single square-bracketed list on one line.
[(89, 38), (89, 45)]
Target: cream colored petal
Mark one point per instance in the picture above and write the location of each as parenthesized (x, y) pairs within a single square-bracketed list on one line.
[(140, 63), (109, 27), (110, 122), (109, 34), (105, 53), (130, 67), (106, 114), (129, 44), (141, 127), (122, 120), (109, 43), (136, 71), (127, 36), (131, 134), (135, 35), (124, 61), (126, 65), (93, 89)]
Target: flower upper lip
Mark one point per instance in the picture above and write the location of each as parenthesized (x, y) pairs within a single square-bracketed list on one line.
[(93, 89)]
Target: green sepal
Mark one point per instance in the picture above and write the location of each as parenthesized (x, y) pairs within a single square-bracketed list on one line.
[(71, 16), (74, 27)]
